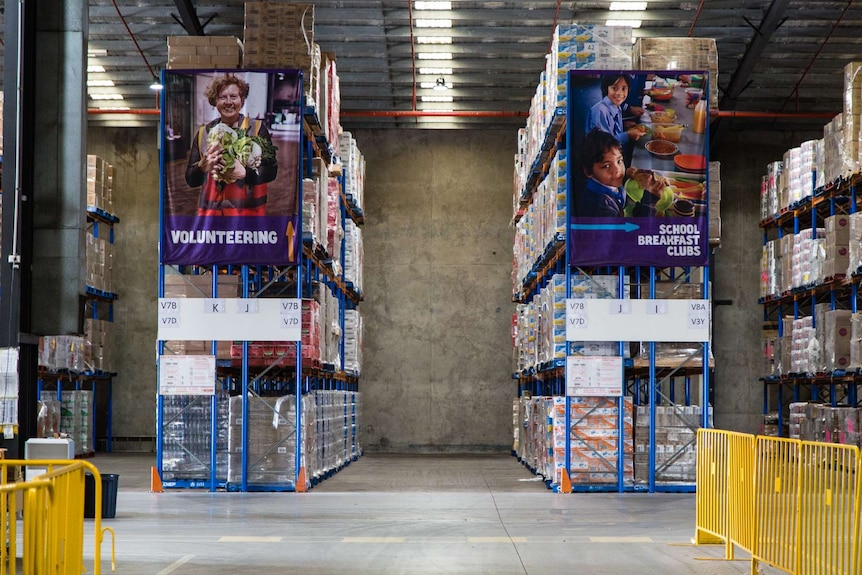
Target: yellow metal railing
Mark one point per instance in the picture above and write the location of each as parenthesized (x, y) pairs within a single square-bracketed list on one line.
[(711, 502), (827, 507), (52, 509), (776, 492), (793, 505)]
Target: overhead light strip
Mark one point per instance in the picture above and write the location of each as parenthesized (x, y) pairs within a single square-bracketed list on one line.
[(435, 71), (628, 6), (630, 23), (419, 5), (441, 99), (434, 55), (434, 39), (433, 23)]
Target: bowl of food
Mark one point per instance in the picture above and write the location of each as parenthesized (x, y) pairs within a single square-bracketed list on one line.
[(661, 94), (666, 116), (669, 132), (662, 149)]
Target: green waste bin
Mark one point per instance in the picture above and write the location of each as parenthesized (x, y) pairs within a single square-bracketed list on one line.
[(109, 495)]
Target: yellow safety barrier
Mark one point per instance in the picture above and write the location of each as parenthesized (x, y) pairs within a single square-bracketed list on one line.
[(776, 514), (725, 487), (740, 490), (53, 518), (858, 537), (712, 496), (827, 507)]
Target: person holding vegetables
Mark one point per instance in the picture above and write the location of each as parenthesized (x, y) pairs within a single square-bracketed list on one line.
[(612, 190), (232, 157)]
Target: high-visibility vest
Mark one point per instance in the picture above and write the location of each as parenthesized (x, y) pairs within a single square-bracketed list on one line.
[(232, 199)]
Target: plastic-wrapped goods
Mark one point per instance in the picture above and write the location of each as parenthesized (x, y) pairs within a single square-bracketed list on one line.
[(797, 417), (672, 354), (807, 257), (332, 89), (353, 167), (855, 243), (837, 246), (714, 203), (62, 352), (353, 327), (804, 345), (856, 340), (354, 255), (310, 212), (187, 436), (768, 341), (675, 442), (271, 448), (334, 230), (853, 115)]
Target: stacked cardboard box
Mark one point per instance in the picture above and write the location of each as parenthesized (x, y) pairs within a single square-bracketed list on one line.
[(537, 440), (836, 349), (679, 54), (331, 101), (804, 352), (769, 183), (199, 286), (204, 52), (271, 447), (838, 163), (281, 35), (597, 287), (100, 183), (837, 246), (594, 439), (316, 204), (856, 341), (98, 345)]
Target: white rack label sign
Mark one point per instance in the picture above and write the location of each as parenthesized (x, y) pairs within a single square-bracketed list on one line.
[(661, 320), (594, 376), (187, 375), (234, 319)]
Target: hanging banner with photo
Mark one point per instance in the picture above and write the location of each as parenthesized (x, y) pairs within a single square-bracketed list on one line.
[(637, 168), (230, 167)]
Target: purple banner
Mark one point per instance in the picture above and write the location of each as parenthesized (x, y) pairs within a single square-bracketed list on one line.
[(639, 241), (231, 159), (637, 168)]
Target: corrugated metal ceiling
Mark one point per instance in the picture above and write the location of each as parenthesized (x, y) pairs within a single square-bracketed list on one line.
[(783, 56)]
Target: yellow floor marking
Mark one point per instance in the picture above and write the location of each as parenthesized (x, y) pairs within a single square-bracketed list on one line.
[(240, 539), (621, 539), (497, 539), (373, 540)]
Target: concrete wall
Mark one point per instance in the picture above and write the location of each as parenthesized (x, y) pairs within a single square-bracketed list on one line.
[(437, 303), (134, 154)]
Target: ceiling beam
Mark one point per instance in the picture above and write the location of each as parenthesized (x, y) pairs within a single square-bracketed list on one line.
[(189, 18)]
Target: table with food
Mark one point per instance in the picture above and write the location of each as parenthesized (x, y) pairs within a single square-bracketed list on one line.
[(673, 145)]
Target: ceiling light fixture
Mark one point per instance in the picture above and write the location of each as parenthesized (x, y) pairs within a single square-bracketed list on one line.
[(156, 85), (434, 55), (441, 84), (629, 6), (434, 39), (420, 5), (435, 71), (435, 23), (441, 99), (630, 23)]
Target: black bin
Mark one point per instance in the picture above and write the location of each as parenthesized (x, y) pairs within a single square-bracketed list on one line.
[(109, 495)]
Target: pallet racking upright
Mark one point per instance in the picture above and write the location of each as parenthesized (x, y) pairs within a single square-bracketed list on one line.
[(279, 412), (639, 432)]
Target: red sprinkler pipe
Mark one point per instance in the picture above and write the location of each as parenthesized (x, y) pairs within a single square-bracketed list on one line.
[(136, 111), (430, 114), (774, 115)]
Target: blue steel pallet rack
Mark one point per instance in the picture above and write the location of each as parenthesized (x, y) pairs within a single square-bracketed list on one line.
[(676, 385), (281, 376), (840, 291)]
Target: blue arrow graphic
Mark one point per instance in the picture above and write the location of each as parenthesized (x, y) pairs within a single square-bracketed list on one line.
[(626, 227)]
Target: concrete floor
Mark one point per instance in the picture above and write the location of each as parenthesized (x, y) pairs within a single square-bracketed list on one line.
[(405, 515)]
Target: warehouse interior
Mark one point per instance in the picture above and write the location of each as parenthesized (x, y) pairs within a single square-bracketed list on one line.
[(437, 378)]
